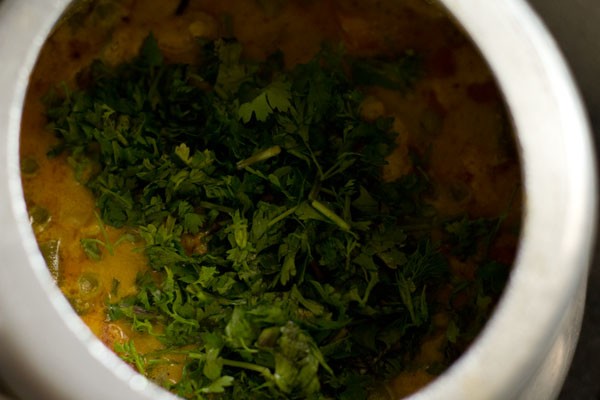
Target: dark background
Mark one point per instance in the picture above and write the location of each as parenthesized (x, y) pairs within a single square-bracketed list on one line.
[(583, 380), (576, 26)]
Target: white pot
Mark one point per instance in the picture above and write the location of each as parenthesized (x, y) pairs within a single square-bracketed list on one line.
[(46, 352)]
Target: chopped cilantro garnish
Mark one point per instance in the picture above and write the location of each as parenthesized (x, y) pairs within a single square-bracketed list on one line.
[(280, 265)]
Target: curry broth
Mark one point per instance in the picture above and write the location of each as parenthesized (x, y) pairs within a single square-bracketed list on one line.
[(455, 116)]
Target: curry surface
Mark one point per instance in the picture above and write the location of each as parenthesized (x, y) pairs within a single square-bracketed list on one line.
[(455, 115)]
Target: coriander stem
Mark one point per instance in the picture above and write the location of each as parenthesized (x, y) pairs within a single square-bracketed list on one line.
[(260, 156), (282, 216), (327, 212), (264, 371), (314, 191), (218, 207)]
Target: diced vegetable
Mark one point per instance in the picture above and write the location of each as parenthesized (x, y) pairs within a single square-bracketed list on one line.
[(51, 251), (29, 166), (39, 217)]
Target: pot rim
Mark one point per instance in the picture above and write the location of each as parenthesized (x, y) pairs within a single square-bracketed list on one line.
[(553, 257)]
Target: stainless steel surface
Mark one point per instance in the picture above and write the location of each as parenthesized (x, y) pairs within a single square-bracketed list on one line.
[(523, 353), (576, 26)]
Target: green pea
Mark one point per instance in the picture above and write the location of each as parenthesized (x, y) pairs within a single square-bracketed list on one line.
[(88, 285), (29, 166), (39, 217)]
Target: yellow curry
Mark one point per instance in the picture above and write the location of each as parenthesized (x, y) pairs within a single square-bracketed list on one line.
[(407, 70)]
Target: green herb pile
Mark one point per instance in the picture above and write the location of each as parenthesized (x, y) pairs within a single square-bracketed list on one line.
[(282, 265)]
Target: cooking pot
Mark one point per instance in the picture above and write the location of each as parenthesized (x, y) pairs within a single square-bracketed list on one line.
[(523, 352)]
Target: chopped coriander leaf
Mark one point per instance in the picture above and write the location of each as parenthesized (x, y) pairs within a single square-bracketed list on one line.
[(282, 265), (399, 74), (91, 249)]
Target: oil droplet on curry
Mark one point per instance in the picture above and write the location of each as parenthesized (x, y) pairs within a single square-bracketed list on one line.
[(272, 198)]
